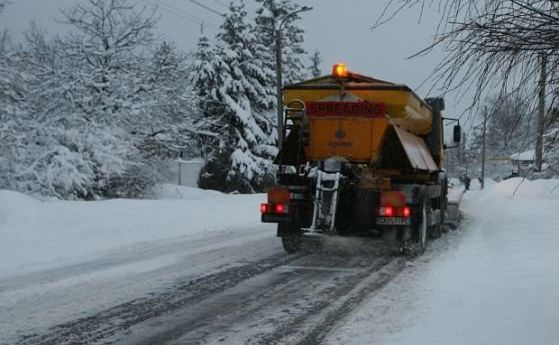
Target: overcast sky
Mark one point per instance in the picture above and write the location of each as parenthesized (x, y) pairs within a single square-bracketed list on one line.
[(340, 30)]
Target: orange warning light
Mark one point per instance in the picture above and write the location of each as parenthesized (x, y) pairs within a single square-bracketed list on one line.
[(340, 71)]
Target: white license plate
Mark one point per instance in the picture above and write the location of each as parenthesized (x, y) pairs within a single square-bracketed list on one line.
[(393, 221)]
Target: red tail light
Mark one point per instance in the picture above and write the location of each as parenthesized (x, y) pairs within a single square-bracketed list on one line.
[(274, 208), (387, 211), (280, 208), (407, 212), (391, 211)]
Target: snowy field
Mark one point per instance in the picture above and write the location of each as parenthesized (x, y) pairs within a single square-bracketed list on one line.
[(496, 282)]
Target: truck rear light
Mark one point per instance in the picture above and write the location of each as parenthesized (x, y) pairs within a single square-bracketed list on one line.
[(407, 212), (391, 211), (387, 211), (280, 208), (274, 208)]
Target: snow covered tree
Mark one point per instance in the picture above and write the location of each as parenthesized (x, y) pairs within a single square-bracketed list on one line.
[(166, 120), (64, 153), (108, 43), (314, 69), (12, 124), (209, 109), (110, 36), (240, 160), (269, 15), (508, 129), (80, 106), (93, 112)]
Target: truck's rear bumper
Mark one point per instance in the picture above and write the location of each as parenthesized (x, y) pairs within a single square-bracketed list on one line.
[(275, 218)]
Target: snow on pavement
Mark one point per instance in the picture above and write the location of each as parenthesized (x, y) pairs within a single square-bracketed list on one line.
[(36, 235), (494, 282), (60, 261)]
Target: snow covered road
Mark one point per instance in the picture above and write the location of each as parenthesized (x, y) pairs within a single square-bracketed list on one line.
[(35, 302), (121, 272), (237, 294), (494, 280)]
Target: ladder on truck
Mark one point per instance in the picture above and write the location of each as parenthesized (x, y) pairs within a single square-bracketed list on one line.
[(325, 202)]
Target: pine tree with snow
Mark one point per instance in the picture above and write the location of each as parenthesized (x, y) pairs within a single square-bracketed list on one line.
[(314, 69), (168, 117), (209, 110), (241, 158)]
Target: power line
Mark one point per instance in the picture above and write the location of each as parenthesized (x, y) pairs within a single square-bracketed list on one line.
[(181, 13), (201, 20), (207, 8), (219, 2)]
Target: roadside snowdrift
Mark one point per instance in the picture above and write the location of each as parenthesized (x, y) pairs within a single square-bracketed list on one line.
[(496, 281), (38, 235)]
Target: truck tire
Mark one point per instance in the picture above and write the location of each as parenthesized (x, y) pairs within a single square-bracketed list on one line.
[(437, 229), (422, 228), (292, 243), (291, 237)]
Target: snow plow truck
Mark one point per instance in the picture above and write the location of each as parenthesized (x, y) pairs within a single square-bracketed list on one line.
[(360, 156)]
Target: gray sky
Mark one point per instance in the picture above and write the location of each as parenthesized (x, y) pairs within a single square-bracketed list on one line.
[(340, 30)]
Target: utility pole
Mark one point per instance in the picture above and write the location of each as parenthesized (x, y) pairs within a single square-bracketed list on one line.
[(462, 158), (279, 85), (483, 148), (541, 112), (279, 81), (462, 150)]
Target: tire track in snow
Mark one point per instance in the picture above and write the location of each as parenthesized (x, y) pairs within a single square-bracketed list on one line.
[(119, 319), (287, 305), (340, 310)]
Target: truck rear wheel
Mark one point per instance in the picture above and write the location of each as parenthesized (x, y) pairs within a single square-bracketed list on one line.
[(291, 237), (422, 228), (292, 243), (437, 228)]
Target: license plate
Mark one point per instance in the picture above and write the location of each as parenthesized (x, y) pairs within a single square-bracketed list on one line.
[(274, 218), (393, 221)]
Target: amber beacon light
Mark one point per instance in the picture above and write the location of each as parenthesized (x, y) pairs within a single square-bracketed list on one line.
[(340, 71)]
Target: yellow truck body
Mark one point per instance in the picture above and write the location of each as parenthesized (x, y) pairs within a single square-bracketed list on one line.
[(358, 138)]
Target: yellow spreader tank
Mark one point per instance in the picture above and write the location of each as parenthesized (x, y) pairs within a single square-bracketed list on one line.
[(359, 155)]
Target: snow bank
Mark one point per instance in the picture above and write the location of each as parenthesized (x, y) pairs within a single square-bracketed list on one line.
[(518, 187), (173, 191), (38, 235), (494, 282), (13, 204)]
